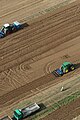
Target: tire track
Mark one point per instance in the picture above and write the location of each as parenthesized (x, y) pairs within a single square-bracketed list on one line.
[(34, 48)]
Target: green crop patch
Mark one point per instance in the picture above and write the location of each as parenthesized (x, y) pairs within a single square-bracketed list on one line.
[(56, 106)]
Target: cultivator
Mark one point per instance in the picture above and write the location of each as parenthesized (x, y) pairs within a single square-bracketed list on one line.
[(56, 74)]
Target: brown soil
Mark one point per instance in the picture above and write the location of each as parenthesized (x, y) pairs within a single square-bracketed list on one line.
[(28, 57), (25, 10)]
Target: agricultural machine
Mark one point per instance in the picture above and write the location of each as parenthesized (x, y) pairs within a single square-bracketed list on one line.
[(25, 112), (65, 68), (10, 28), (20, 114)]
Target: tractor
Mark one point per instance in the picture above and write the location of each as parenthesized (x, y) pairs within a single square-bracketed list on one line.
[(65, 68), (10, 28)]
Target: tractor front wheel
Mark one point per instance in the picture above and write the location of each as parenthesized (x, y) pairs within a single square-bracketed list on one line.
[(66, 71)]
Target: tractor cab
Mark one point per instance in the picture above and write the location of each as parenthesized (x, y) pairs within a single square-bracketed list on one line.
[(6, 29)]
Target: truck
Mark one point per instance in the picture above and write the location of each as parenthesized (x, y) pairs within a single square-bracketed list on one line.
[(10, 28), (19, 114), (65, 68)]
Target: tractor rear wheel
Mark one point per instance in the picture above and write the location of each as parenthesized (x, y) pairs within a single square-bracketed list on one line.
[(72, 68), (66, 71)]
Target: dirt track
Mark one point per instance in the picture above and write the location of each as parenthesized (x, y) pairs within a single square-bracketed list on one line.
[(28, 56)]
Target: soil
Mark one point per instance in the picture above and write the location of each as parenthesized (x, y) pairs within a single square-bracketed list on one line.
[(26, 10), (67, 112), (28, 57)]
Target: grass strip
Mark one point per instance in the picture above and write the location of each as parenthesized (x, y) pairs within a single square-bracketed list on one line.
[(56, 106)]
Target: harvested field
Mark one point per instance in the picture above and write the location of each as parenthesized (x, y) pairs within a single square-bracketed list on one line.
[(28, 57)]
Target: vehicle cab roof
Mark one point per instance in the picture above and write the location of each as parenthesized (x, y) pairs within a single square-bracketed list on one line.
[(18, 111), (6, 25), (66, 63)]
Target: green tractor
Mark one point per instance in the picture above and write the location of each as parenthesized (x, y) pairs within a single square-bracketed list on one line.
[(65, 68)]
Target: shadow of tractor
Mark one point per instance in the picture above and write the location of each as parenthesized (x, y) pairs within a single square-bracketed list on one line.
[(25, 25), (77, 65)]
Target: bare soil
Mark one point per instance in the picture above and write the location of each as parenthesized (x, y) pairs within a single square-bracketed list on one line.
[(25, 10), (28, 57)]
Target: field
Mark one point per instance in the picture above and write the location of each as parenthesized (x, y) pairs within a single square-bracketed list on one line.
[(28, 57)]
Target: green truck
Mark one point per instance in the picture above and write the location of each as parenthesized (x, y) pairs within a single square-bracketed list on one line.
[(19, 114)]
